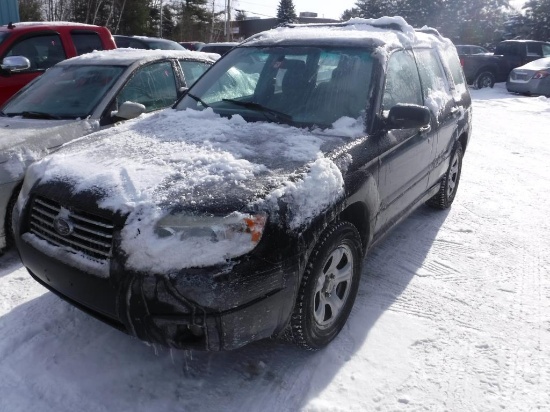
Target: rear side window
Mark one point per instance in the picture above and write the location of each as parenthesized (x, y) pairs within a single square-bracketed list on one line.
[(455, 69), (86, 42), (546, 50), (534, 49), (192, 70), (42, 51), (431, 72), (402, 82)]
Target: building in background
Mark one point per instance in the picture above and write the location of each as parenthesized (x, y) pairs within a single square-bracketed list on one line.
[(243, 29), (9, 11)]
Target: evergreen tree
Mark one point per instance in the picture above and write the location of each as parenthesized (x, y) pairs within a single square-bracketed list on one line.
[(537, 13), (286, 12), (30, 10)]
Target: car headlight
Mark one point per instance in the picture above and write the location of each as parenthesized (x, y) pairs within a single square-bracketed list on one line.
[(235, 226)]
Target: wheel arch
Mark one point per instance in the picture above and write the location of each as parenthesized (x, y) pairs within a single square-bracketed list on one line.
[(358, 215)]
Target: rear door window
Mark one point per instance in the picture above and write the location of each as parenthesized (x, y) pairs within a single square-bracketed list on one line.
[(534, 49), (86, 42), (432, 74)]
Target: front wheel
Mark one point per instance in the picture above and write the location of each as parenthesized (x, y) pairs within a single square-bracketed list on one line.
[(328, 288), (449, 185), (484, 79)]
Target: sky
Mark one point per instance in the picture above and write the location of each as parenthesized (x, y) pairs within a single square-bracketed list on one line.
[(268, 8)]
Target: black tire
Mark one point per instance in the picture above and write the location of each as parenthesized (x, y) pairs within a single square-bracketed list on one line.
[(324, 303), (484, 79), (449, 185), (9, 213)]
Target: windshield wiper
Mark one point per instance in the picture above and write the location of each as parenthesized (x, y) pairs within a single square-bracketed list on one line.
[(40, 115), (261, 108), (197, 99)]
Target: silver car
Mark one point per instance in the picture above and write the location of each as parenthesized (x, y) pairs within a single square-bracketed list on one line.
[(81, 95), (531, 78)]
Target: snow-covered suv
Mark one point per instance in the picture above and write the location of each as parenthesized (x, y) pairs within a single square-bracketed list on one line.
[(245, 212)]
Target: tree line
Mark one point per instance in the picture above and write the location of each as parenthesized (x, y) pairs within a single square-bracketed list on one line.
[(482, 22)]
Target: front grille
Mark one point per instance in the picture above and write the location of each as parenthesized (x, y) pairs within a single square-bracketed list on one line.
[(90, 234)]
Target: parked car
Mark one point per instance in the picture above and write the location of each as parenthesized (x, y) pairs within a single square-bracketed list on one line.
[(245, 212), (28, 49), (531, 78), (148, 43), (220, 48), (470, 49), (483, 70), (192, 45), (81, 95)]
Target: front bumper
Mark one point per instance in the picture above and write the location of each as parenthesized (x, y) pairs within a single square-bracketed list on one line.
[(216, 308)]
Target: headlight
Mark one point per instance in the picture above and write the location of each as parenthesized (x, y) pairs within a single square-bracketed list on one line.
[(236, 226)]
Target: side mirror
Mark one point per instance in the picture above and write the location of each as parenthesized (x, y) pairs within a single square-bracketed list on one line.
[(15, 63), (408, 116), (129, 110)]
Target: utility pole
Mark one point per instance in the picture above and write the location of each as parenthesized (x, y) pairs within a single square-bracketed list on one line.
[(228, 21)]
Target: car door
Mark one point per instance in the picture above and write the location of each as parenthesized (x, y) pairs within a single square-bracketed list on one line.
[(43, 50), (405, 165), (436, 91)]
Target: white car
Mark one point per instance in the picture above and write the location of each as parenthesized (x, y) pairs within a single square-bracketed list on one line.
[(81, 95)]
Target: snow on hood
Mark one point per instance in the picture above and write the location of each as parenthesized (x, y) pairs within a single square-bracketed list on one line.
[(201, 162), (23, 141)]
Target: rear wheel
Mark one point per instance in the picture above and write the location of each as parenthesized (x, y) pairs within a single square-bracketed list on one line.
[(328, 288), (449, 185), (484, 79)]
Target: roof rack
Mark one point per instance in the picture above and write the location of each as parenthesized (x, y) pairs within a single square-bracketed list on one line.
[(389, 26), (429, 30)]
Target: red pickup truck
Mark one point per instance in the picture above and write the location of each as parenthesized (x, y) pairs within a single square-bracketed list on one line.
[(28, 49)]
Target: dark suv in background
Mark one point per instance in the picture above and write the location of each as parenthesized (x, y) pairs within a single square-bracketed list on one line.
[(245, 212)]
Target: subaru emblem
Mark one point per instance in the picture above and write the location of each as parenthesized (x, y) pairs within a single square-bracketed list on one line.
[(63, 226)]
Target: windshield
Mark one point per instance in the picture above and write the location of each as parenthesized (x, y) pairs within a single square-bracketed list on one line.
[(66, 92), (303, 86)]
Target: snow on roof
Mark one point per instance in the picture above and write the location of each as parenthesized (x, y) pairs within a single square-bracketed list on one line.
[(128, 56), (391, 31)]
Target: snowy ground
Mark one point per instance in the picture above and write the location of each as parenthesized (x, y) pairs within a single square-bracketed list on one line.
[(453, 313)]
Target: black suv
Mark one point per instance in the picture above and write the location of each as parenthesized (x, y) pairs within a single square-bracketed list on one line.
[(245, 212)]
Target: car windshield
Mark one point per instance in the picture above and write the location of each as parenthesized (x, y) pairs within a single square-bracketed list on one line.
[(66, 92), (302, 86)]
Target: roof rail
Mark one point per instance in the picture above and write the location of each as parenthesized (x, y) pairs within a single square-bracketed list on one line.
[(388, 26), (429, 30)]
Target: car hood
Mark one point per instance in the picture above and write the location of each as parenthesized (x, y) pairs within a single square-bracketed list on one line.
[(23, 141), (191, 160), (180, 165)]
